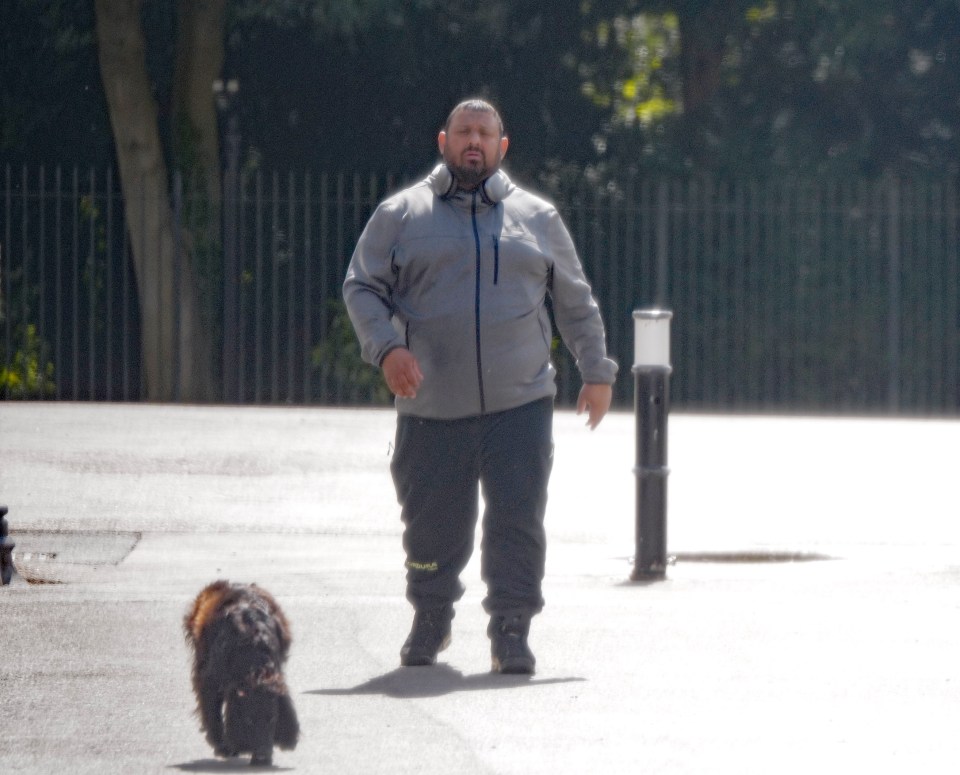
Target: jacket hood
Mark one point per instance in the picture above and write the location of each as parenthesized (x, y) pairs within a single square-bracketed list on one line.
[(494, 189)]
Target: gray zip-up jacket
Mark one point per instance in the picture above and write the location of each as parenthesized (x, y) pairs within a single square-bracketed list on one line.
[(461, 280)]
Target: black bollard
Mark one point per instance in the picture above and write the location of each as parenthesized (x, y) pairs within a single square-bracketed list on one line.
[(6, 549), (652, 405)]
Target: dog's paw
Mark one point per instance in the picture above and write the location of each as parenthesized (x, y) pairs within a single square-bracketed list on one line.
[(224, 751)]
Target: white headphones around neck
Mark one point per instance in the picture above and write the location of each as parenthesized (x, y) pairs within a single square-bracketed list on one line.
[(494, 189)]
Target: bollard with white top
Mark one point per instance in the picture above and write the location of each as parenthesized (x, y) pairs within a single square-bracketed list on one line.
[(6, 549), (651, 370)]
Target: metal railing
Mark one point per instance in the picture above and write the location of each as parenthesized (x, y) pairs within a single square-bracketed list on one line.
[(787, 294)]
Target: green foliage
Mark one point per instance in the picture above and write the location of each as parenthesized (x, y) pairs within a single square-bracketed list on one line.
[(761, 86), (52, 107), (28, 375), (645, 89), (731, 86), (327, 16), (337, 358), (395, 74)]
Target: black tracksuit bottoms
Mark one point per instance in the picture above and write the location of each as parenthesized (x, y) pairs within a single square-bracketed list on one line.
[(438, 467)]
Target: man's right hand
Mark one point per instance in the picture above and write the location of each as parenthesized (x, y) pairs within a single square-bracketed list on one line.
[(402, 372)]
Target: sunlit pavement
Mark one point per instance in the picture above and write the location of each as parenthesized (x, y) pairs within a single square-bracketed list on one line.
[(735, 663)]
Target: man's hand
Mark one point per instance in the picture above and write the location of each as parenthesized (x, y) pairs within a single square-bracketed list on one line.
[(594, 399), (402, 372)]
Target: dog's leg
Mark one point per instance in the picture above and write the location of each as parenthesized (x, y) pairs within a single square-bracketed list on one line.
[(288, 727), (262, 759), (211, 718)]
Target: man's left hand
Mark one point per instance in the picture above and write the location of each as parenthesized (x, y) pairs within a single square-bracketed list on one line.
[(595, 400)]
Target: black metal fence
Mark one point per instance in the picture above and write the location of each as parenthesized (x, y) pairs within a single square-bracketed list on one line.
[(788, 294)]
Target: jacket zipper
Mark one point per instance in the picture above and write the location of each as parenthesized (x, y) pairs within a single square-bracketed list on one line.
[(496, 259), (476, 301)]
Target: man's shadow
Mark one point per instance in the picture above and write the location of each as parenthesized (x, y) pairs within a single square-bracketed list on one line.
[(437, 681)]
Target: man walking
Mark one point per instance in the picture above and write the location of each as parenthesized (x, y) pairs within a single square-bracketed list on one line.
[(447, 292)]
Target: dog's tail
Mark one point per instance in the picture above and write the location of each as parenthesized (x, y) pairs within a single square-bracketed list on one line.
[(204, 609)]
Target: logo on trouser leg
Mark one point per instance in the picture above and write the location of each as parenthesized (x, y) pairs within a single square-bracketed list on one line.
[(429, 567)]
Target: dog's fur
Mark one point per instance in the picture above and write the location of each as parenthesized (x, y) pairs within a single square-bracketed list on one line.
[(240, 640)]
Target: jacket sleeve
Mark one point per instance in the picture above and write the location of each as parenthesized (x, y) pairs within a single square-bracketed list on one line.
[(369, 283), (575, 310)]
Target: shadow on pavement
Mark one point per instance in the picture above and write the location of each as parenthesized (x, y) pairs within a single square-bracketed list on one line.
[(436, 681), (239, 764)]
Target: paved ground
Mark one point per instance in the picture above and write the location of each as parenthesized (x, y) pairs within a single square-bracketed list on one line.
[(842, 665)]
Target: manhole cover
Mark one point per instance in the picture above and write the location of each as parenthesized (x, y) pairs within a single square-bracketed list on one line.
[(750, 556), (59, 556)]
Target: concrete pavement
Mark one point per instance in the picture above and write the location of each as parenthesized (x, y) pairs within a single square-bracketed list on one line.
[(840, 665)]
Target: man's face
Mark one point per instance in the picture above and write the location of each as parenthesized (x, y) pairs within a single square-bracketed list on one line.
[(472, 146)]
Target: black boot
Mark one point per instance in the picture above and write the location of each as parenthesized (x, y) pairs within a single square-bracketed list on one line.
[(429, 635), (508, 644)]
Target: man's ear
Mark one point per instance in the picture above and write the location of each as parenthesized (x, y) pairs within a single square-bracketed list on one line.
[(441, 141), (504, 143)]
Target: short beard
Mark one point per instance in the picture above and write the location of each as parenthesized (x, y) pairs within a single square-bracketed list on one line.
[(469, 177)]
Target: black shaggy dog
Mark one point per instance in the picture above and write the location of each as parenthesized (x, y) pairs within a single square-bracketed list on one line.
[(240, 640)]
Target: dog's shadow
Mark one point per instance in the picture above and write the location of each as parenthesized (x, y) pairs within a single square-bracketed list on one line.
[(437, 681), (240, 764)]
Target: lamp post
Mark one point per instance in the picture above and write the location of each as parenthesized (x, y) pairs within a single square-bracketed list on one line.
[(225, 93), (651, 371)]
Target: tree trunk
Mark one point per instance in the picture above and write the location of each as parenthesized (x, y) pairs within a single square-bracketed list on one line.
[(703, 29), (175, 347), (201, 26), (199, 61), (702, 47)]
